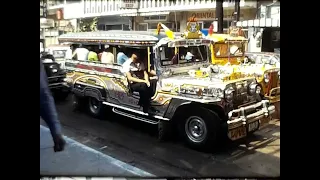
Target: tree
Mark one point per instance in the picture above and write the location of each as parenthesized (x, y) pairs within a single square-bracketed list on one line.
[(88, 25)]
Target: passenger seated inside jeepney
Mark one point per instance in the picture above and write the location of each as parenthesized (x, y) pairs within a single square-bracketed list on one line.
[(92, 55), (192, 53), (107, 56), (138, 80), (121, 56)]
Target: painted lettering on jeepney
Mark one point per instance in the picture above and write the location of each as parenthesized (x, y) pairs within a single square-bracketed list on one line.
[(119, 95)]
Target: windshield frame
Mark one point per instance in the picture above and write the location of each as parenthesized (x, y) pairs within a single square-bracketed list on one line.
[(165, 47), (227, 43)]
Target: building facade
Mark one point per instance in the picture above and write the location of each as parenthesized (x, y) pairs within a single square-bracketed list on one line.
[(52, 12), (264, 30), (144, 15)]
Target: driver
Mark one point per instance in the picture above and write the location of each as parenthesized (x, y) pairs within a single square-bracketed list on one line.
[(138, 79)]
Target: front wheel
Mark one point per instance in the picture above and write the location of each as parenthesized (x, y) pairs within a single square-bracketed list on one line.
[(200, 128)]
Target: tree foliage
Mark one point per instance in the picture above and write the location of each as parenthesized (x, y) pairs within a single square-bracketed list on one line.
[(88, 25)]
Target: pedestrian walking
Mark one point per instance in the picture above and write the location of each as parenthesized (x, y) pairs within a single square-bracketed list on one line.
[(48, 111)]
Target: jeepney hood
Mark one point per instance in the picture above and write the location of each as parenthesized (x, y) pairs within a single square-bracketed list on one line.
[(179, 80), (210, 82), (186, 75)]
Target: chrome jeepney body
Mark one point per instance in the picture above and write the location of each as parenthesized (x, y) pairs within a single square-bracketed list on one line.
[(181, 87)]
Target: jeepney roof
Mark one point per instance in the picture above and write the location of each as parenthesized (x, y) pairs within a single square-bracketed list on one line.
[(225, 37), (113, 37)]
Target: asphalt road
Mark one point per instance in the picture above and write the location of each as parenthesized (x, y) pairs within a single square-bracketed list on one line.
[(135, 143)]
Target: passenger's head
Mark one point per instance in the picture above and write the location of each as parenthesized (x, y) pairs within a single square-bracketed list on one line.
[(134, 57)]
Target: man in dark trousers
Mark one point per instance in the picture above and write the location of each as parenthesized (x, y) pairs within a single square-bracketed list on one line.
[(139, 81), (48, 111)]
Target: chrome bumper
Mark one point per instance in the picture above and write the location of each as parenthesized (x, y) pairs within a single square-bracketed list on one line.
[(245, 117)]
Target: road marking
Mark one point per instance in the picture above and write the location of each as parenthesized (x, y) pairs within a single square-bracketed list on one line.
[(110, 159)]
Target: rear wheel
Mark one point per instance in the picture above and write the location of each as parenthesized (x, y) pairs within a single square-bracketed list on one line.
[(200, 128), (95, 107)]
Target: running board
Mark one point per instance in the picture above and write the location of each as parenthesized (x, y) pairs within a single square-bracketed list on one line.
[(135, 111), (139, 118)]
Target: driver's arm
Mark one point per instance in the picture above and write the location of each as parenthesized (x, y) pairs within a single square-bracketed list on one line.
[(146, 76), (126, 70)]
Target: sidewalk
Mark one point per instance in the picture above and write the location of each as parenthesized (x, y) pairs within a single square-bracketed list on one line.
[(78, 159)]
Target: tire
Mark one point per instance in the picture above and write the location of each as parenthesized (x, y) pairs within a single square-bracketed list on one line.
[(78, 103), (164, 130), (95, 107), (203, 120)]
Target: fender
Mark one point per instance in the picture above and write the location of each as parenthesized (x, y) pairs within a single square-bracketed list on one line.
[(83, 90), (93, 92), (175, 104)]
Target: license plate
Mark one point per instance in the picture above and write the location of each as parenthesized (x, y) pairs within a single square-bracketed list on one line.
[(264, 121), (253, 126), (237, 133)]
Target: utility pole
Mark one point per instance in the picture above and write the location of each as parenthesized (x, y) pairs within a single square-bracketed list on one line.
[(219, 15), (236, 11)]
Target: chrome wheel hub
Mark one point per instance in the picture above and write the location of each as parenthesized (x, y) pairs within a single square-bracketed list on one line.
[(196, 129)]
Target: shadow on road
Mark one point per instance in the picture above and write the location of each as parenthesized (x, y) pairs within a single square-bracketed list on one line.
[(135, 143)]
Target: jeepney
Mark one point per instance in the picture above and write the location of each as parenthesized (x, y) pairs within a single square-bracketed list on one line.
[(59, 52), (191, 98), (229, 50)]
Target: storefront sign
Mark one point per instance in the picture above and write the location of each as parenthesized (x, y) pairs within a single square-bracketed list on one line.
[(129, 4), (210, 15)]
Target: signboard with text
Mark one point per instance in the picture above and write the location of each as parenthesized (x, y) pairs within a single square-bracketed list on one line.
[(129, 4)]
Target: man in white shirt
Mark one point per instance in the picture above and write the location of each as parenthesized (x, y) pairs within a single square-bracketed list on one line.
[(82, 53), (138, 79)]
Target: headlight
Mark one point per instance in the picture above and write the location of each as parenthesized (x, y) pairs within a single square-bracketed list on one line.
[(228, 94), (258, 89), (252, 88), (266, 78), (54, 70)]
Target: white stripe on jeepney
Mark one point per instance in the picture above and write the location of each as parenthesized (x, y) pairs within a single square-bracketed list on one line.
[(93, 72), (110, 66)]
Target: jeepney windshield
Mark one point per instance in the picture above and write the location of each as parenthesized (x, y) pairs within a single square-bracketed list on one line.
[(183, 55), (59, 53), (229, 49)]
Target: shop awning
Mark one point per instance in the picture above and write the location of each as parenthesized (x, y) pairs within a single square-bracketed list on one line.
[(259, 23)]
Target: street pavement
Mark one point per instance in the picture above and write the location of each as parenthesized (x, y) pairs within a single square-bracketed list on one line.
[(78, 159), (136, 143)]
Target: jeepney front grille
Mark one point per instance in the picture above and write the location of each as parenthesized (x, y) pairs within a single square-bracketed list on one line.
[(240, 94), (274, 81)]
